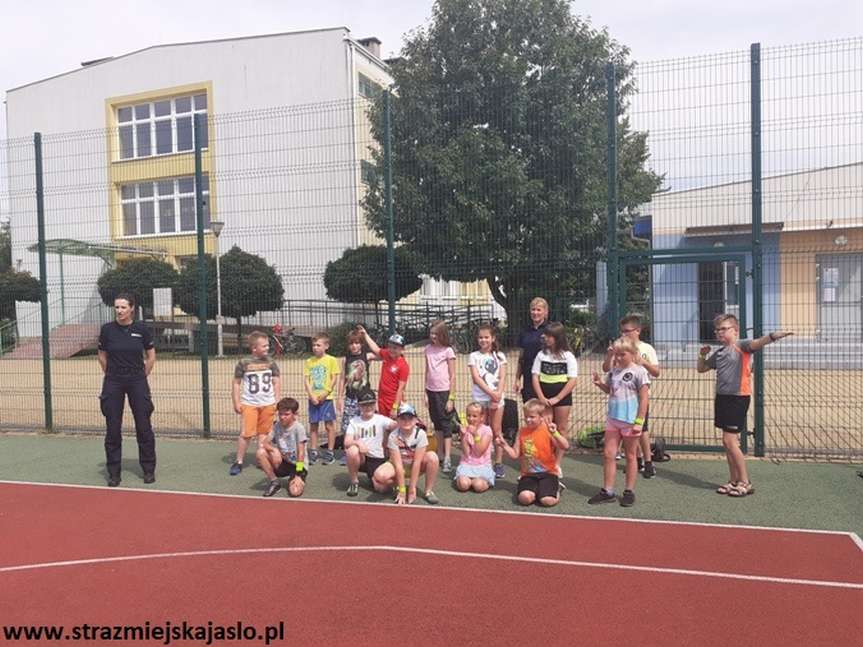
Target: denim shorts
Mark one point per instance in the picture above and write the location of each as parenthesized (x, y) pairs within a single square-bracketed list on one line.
[(323, 412)]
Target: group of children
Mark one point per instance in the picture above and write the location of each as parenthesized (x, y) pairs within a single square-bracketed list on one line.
[(384, 437)]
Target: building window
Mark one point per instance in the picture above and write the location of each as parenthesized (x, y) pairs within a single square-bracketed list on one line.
[(368, 173), (160, 127), (162, 207), (368, 88)]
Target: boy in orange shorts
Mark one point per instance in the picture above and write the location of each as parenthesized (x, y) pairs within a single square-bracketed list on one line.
[(254, 392)]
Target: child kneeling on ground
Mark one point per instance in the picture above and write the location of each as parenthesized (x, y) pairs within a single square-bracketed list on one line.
[(475, 471), (627, 386), (536, 445), (282, 453)]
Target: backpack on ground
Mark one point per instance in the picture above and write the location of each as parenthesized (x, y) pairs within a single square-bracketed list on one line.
[(591, 437), (657, 450), (509, 426)]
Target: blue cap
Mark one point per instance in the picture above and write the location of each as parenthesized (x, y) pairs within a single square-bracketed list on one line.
[(396, 339), (406, 409)]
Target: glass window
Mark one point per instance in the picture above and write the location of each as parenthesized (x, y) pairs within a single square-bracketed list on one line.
[(130, 221), (205, 136), (164, 137), (162, 108), (183, 104), (367, 88), (184, 134), (167, 219), (165, 187), (186, 185), (187, 214), (142, 137), (127, 145), (127, 192), (142, 111), (200, 102), (145, 190), (124, 114), (148, 218)]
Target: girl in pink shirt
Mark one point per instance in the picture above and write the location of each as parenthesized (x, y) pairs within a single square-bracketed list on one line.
[(440, 386), (474, 470)]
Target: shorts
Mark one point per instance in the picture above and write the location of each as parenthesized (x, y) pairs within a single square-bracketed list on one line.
[(488, 405), (323, 412), (484, 472), (617, 428), (257, 420), (551, 390), (438, 413), (541, 484), (288, 470), (371, 465), (729, 413), (351, 409)]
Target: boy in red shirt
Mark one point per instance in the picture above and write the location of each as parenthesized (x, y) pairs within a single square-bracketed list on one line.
[(537, 447), (394, 372)]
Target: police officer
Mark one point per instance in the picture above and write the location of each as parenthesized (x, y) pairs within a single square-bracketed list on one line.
[(127, 356)]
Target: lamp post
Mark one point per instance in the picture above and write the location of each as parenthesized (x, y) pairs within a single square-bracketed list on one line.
[(216, 227)]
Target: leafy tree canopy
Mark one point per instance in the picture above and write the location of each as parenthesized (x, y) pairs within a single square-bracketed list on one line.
[(360, 275), (138, 276), (16, 286)]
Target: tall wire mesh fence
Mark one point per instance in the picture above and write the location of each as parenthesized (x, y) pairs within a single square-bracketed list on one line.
[(490, 207)]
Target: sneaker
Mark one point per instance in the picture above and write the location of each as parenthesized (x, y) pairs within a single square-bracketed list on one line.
[(649, 471), (628, 498), (149, 477), (619, 456), (601, 497), (447, 466), (327, 457), (499, 472), (313, 456), (640, 464), (561, 486), (273, 487), (113, 481), (353, 489), (343, 460), (236, 468), (431, 498)]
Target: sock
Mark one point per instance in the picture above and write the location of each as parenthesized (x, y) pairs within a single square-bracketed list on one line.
[(611, 491)]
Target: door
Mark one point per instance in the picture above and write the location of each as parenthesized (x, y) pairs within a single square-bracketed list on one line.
[(839, 282)]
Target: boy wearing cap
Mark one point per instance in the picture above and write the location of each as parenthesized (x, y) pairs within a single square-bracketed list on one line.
[(408, 446), (365, 439), (394, 372)]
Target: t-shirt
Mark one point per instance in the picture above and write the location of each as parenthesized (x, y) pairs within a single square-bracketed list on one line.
[(125, 346), (733, 366), (257, 374), (393, 371), (530, 341), (624, 384), (537, 450), (648, 353), (557, 368), (319, 371), (356, 374), (407, 445), (288, 439), (437, 367), (372, 432), (483, 431), (488, 367)]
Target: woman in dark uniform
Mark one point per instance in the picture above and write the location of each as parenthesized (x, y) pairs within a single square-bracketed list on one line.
[(127, 356), (530, 343)]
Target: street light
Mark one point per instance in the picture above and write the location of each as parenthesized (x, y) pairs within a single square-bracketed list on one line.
[(216, 227)]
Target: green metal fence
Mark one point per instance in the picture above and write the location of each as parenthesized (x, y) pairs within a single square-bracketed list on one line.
[(676, 189)]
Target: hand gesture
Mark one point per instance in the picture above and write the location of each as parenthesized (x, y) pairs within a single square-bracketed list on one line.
[(704, 350), (499, 441), (552, 427), (596, 379), (609, 351)]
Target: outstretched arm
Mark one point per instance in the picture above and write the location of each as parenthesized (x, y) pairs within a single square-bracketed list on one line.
[(757, 344)]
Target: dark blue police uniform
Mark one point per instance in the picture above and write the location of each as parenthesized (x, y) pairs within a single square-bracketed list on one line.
[(530, 342), (124, 376)]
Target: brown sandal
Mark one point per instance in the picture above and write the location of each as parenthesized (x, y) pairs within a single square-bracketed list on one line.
[(725, 489), (743, 488)]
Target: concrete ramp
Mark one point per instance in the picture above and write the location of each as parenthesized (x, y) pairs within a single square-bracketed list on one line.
[(66, 341)]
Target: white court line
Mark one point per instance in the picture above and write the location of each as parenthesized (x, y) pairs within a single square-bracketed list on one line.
[(555, 515), (441, 553)]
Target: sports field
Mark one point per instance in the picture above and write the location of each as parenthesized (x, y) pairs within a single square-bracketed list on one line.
[(681, 407), (206, 549)]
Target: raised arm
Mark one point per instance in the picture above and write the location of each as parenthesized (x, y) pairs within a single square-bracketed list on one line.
[(373, 347), (757, 344), (702, 366)]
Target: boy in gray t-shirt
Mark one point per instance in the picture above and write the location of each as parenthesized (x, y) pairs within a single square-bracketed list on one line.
[(733, 366), (282, 453)]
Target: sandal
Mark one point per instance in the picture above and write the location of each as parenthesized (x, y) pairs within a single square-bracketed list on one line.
[(725, 489), (743, 488)]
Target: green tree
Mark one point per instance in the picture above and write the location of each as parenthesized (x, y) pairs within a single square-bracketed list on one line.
[(249, 286), (360, 275), (16, 286), (5, 246), (137, 276), (499, 149)]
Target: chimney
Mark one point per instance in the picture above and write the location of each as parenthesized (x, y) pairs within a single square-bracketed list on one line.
[(372, 44)]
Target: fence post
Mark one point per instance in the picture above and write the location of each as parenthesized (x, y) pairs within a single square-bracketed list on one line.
[(757, 249), (611, 270), (43, 284), (388, 200), (198, 127)]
